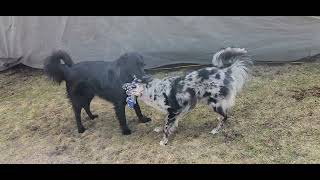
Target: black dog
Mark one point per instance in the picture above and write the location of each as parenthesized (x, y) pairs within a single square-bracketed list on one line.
[(85, 80)]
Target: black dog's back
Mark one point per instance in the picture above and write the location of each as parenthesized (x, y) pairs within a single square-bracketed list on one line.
[(97, 77)]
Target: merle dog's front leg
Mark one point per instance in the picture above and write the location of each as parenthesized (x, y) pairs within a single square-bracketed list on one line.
[(170, 126), (142, 118), (121, 115)]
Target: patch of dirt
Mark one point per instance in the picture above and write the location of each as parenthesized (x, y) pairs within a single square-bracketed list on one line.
[(231, 136), (300, 94), (58, 150)]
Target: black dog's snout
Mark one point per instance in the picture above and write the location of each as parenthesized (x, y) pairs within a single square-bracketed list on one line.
[(146, 78)]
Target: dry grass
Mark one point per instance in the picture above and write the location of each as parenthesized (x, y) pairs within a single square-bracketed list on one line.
[(269, 124)]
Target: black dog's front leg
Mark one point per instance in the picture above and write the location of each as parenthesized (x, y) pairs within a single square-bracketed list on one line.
[(141, 117), (121, 115)]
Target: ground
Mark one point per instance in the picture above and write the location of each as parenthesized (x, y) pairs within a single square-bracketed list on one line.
[(276, 119)]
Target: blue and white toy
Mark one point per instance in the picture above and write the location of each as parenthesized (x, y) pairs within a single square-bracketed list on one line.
[(130, 101), (129, 88)]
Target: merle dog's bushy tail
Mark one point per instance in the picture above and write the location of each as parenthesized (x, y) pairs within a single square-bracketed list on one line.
[(228, 56), (53, 67), (238, 62)]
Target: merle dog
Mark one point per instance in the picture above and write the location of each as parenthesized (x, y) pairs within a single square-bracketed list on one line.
[(216, 86), (85, 80)]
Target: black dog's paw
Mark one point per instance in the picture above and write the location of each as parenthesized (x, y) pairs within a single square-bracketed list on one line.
[(81, 130), (93, 117), (145, 120), (126, 132)]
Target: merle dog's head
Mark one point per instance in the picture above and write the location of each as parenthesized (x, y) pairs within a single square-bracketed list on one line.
[(131, 64)]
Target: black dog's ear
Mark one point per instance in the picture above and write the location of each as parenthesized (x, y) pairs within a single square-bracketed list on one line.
[(122, 60), (140, 57), (134, 57), (141, 62)]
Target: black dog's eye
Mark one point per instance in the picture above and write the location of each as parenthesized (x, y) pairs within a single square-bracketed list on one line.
[(142, 64)]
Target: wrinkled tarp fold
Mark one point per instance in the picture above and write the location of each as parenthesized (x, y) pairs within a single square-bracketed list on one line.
[(162, 40)]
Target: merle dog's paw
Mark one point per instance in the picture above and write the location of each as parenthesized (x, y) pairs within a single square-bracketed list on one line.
[(81, 130), (126, 132), (93, 117), (164, 142), (145, 120), (158, 129)]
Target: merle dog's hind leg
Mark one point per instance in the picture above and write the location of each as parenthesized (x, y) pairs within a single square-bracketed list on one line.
[(119, 108), (142, 118), (222, 120)]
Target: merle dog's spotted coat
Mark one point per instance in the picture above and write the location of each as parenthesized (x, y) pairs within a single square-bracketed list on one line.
[(216, 86)]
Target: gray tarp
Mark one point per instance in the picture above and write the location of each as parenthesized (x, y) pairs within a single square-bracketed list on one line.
[(163, 40)]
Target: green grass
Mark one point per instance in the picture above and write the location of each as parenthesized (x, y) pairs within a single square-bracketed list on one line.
[(267, 124)]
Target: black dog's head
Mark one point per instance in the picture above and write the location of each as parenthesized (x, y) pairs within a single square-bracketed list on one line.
[(131, 64)]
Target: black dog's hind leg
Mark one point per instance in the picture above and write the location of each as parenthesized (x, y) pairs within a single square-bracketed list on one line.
[(121, 115), (76, 107), (141, 117), (222, 121), (87, 109), (77, 113), (80, 96), (84, 96)]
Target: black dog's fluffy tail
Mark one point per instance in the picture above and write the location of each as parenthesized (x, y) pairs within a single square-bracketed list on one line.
[(53, 67)]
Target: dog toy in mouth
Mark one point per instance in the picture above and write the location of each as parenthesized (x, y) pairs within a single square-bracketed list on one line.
[(132, 90)]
